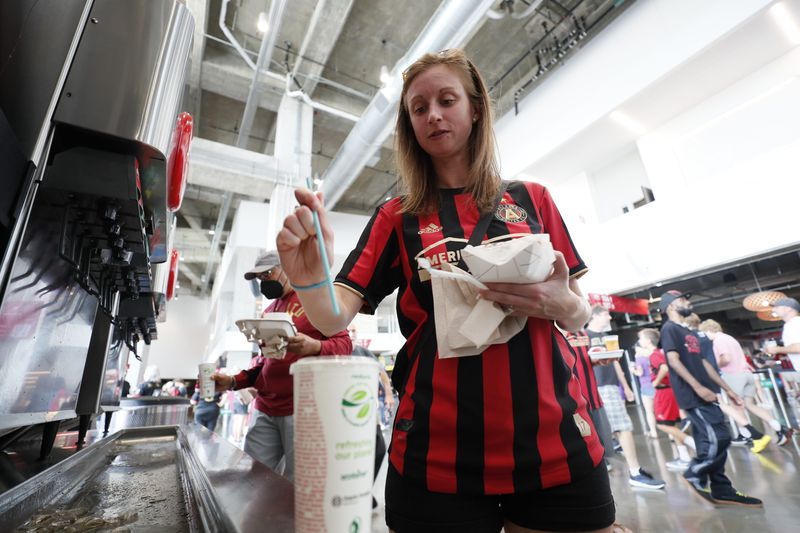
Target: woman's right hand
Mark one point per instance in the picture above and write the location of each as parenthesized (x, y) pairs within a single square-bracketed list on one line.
[(297, 240), (222, 382)]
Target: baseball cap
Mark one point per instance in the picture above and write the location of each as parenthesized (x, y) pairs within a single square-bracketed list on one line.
[(669, 297), (265, 261), (787, 302)]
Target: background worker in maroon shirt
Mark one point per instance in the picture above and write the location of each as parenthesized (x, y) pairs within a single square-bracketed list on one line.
[(270, 436), (500, 438)]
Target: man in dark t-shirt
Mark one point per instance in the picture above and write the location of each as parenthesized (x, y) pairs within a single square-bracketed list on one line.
[(693, 381)]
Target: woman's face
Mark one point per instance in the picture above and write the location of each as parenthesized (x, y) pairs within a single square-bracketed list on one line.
[(441, 112)]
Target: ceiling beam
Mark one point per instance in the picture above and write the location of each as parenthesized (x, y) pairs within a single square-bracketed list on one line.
[(327, 23), (192, 245), (225, 77), (194, 218), (227, 168), (187, 271)]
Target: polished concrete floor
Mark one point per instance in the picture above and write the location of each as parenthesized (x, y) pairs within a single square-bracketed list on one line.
[(771, 476)]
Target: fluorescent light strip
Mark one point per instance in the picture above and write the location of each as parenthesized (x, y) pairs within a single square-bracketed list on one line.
[(739, 108), (786, 22), (627, 122)]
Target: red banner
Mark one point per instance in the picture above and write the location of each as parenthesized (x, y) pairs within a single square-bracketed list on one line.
[(620, 304)]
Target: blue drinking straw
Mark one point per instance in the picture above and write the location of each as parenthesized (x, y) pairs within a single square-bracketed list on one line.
[(324, 255)]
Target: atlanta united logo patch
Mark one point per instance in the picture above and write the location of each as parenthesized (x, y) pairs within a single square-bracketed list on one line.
[(510, 213)]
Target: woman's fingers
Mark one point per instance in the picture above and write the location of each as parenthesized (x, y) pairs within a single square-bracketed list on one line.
[(293, 224), (307, 198), (322, 213), (306, 219), (287, 240), (560, 268), (519, 303)]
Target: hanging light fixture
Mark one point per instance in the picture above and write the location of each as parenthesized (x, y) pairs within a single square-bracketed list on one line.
[(761, 300), (767, 316)]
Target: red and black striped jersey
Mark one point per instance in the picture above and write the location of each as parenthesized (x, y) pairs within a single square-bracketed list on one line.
[(583, 368), (511, 419)]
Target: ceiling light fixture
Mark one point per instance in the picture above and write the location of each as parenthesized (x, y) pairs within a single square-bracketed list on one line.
[(263, 22), (761, 301), (768, 316), (786, 22), (627, 122), (386, 77), (211, 232)]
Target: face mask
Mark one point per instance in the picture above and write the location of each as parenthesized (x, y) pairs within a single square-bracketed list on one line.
[(685, 311), (272, 289)]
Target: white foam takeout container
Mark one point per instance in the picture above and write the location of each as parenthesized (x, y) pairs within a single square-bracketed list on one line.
[(266, 327)]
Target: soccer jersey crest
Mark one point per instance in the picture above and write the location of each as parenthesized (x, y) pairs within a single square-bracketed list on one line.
[(510, 213)]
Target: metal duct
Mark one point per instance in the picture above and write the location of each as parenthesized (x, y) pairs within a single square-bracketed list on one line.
[(449, 27)]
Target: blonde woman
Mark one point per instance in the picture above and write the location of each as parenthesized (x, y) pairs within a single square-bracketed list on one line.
[(501, 438)]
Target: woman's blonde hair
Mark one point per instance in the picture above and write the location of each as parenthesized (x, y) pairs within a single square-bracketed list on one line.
[(710, 326), (414, 166)]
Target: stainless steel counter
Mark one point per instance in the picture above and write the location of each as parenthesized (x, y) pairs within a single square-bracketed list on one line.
[(148, 411), (174, 478)]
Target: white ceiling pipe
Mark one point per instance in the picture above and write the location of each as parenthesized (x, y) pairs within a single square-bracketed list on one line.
[(449, 27), (316, 105), (266, 72)]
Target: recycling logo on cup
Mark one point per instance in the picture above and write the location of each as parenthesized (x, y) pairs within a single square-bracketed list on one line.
[(357, 404)]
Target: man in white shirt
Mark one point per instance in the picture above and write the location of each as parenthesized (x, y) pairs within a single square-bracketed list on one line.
[(788, 310)]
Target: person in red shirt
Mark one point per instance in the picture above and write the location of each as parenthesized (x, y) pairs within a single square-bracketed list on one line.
[(271, 433), (501, 438)]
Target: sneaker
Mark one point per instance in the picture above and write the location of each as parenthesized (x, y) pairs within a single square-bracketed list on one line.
[(676, 465), (617, 445), (783, 436), (738, 498), (699, 490), (685, 424), (609, 468), (645, 481), (760, 444), (741, 441)]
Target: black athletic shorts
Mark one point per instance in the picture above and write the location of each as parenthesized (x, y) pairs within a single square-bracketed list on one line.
[(584, 505)]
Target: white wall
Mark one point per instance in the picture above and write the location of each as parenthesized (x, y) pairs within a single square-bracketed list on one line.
[(645, 43), (726, 179), (711, 92), (182, 338), (618, 184)]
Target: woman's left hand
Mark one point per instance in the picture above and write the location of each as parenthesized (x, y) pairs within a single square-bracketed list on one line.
[(552, 299)]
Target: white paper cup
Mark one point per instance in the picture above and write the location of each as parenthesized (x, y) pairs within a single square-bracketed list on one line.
[(206, 384), (334, 443)]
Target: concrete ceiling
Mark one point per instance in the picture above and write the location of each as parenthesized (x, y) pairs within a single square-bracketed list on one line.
[(340, 66)]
